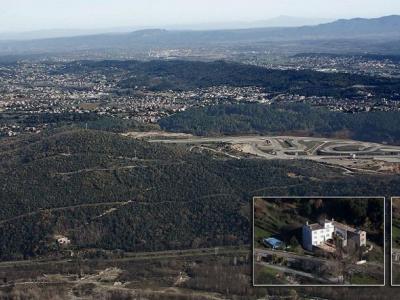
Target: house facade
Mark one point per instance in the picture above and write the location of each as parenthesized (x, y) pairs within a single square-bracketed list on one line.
[(317, 234), (359, 237)]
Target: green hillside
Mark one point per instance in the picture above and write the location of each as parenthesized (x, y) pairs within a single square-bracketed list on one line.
[(106, 191)]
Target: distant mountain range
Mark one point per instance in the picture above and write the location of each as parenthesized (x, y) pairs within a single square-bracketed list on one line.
[(382, 30), (280, 21), (54, 33)]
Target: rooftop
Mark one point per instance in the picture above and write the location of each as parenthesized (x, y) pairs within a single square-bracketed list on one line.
[(317, 226), (346, 227), (273, 241)]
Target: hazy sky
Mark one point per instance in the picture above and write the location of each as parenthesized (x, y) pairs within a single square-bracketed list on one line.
[(25, 15)]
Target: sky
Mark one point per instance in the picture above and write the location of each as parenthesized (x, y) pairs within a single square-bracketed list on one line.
[(30, 15)]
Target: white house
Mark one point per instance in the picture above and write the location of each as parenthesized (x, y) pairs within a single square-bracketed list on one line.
[(315, 235), (62, 240)]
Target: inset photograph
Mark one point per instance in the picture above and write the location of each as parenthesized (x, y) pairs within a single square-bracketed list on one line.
[(318, 241), (396, 241)]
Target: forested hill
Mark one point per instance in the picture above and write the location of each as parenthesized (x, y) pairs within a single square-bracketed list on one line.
[(278, 119), (106, 191)]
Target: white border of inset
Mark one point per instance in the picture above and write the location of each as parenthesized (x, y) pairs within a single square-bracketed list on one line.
[(323, 285), (391, 242)]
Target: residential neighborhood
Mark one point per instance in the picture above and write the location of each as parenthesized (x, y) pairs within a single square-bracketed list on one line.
[(43, 88)]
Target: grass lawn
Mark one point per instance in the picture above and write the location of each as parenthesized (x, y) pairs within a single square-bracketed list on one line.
[(260, 233), (376, 255), (396, 274), (266, 275), (364, 279), (396, 235)]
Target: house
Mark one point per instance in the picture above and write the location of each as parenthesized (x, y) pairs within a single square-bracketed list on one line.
[(317, 235), (273, 243), (62, 240), (359, 237), (395, 255)]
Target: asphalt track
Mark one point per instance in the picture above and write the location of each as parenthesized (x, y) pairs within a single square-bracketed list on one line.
[(290, 147)]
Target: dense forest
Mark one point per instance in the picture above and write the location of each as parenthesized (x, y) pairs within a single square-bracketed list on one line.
[(189, 75), (352, 211), (80, 120), (107, 191), (278, 119)]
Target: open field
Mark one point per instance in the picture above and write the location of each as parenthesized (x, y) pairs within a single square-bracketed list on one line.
[(197, 274), (150, 275)]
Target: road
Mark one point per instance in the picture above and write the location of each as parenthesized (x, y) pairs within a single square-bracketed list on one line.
[(264, 252), (369, 267), (139, 256), (118, 203), (305, 257), (64, 208), (295, 272)]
